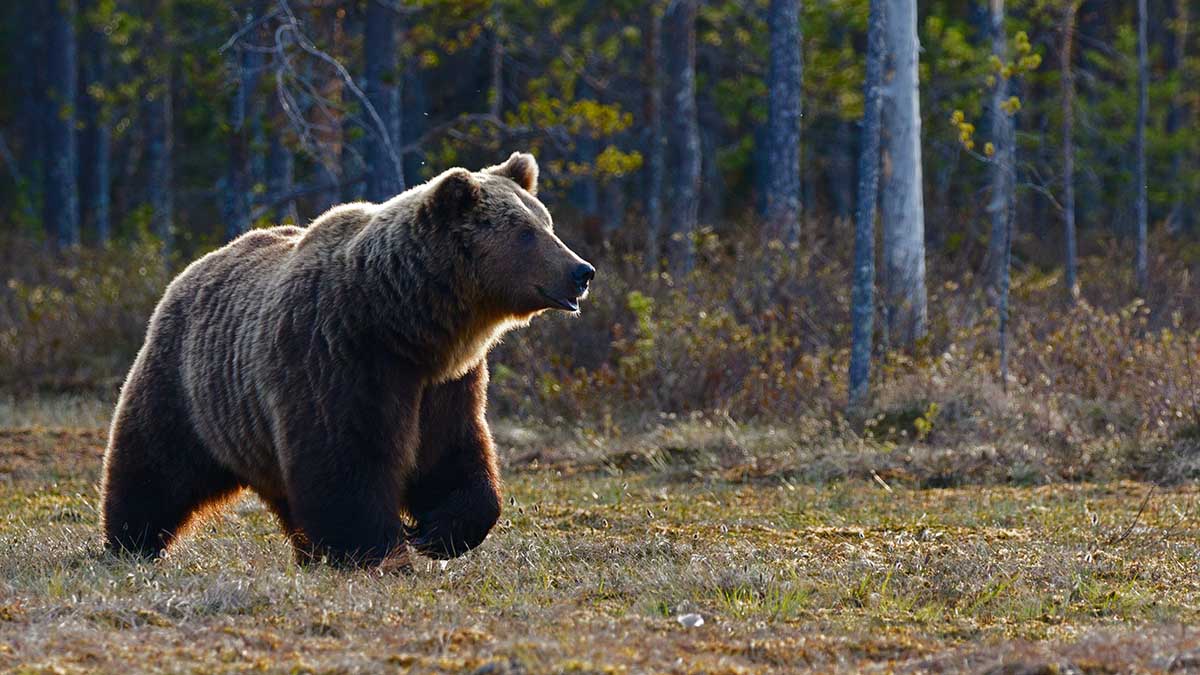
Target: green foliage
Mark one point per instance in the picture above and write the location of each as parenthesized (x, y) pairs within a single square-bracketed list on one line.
[(637, 356)]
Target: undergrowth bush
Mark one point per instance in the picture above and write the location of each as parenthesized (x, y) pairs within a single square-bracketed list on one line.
[(756, 336), (1106, 385), (74, 319)]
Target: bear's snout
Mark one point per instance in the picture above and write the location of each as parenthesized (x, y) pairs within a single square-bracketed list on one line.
[(582, 276), (569, 277)]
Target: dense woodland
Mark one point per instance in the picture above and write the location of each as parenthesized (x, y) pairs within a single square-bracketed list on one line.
[(789, 203), (198, 119), (195, 120)]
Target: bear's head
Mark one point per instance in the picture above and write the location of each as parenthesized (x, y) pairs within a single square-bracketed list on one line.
[(519, 265)]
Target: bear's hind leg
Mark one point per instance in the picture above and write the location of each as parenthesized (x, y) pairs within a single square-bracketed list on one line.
[(302, 548), (157, 475)]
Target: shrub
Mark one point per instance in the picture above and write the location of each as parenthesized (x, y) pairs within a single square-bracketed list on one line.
[(75, 319), (755, 335)]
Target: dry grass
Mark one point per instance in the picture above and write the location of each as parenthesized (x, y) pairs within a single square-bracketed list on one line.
[(62, 410), (599, 552)]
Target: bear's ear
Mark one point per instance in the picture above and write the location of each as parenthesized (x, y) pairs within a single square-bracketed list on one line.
[(521, 168), (454, 193)]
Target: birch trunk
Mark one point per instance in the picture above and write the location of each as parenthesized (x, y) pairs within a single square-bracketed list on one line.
[(96, 138), (680, 25), (281, 164), (1175, 54), (1140, 262), (385, 177), (243, 66), (783, 122), (496, 95), (60, 210), (656, 140), (863, 296), (160, 137), (999, 204), (902, 201), (1068, 115)]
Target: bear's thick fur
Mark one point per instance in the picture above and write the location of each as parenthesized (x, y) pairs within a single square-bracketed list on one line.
[(340, 372)]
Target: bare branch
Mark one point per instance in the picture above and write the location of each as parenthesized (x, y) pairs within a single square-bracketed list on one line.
[(1041, 190), (291, 107), (293, 24), (233, 39), (279, 200)]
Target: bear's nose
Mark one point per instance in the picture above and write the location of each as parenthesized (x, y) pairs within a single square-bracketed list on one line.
[(583, 275)]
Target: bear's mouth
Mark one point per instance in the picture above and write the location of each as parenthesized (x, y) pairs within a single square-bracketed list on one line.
[(568, 304)]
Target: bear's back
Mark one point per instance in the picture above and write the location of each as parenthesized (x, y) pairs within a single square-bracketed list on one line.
[(221, 308)]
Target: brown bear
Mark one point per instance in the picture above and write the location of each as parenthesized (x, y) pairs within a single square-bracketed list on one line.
[(339, 371)]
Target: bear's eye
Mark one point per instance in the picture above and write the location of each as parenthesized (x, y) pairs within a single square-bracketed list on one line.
[(527, 235)]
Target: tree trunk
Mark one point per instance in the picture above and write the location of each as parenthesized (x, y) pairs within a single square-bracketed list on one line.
[(280, 178), (244, 68), (783, 122), (416, 103), (330, 28), (585, 190), (29, 59), (496, 55), (1068, 116), (1175, 54), (840, 177), (1002, 310), (863, 296), (352, 161), (1140, 263), (999, 206), (96, 141), (60, 210), (281, 164), (160, 136), (385, 173), (712, 197), (656, 140), (613, 211), (680, 30), (902, 201), (256, 113)]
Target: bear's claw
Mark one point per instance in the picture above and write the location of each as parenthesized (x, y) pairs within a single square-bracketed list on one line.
[(428, 539), (452, 529)]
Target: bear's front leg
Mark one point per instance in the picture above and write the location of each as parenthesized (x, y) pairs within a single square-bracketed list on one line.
[(455, 495), (346, 514), (346, 469)]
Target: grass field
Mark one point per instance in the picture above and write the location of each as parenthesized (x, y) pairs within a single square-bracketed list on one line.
[(595, 560)]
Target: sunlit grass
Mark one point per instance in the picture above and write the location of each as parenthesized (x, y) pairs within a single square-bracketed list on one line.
[(591, 565)]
